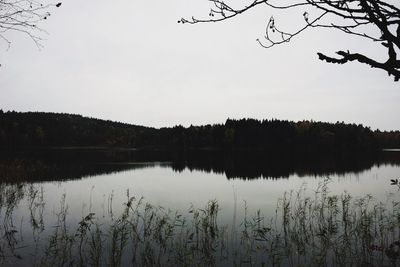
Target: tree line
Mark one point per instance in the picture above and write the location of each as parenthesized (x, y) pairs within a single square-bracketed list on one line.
[(38, 129)]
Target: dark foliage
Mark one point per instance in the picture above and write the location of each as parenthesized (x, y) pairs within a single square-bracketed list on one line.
[(389, 139), (271, 135), (35, 129)]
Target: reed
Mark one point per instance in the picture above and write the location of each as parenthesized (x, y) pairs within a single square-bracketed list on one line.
[(322, 230)]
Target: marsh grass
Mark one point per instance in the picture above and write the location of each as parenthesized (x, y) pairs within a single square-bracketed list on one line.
[(321, 230)]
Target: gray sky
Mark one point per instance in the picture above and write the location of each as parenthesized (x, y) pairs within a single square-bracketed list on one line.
[(131, 61)]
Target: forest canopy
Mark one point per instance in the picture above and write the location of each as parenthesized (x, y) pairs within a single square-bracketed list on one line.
[(37, 129)]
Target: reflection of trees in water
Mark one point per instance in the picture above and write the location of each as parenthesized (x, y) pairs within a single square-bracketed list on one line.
[(38, 170), (253, 165), (76, 164), (61, 165)]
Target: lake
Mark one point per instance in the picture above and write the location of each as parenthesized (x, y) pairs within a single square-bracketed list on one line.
[(39, 187)]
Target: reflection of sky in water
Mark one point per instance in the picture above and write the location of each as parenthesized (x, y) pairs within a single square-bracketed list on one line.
[(178, 190), (162, 186)]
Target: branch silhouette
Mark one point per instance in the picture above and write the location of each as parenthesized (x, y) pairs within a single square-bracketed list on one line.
[(23, 16), (377, 21)]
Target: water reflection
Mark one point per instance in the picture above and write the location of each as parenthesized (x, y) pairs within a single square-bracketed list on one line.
[(325, 230), (62, 165), (96, 221), (254, 165)]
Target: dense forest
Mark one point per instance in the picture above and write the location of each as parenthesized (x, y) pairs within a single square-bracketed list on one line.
[(38, 129)]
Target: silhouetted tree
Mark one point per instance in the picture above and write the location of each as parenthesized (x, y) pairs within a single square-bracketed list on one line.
[(23, 16), (374, 20)]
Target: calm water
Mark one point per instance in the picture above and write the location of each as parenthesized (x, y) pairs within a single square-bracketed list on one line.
[(98, 182), (160, 185)]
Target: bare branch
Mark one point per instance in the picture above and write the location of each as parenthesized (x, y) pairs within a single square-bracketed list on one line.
[(392, 68), (358, 18), (23, 16)]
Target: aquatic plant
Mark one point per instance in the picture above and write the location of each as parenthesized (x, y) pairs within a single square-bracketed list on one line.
[(319, 230)]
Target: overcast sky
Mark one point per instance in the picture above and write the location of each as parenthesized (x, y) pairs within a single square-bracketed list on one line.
[(130, 61)]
